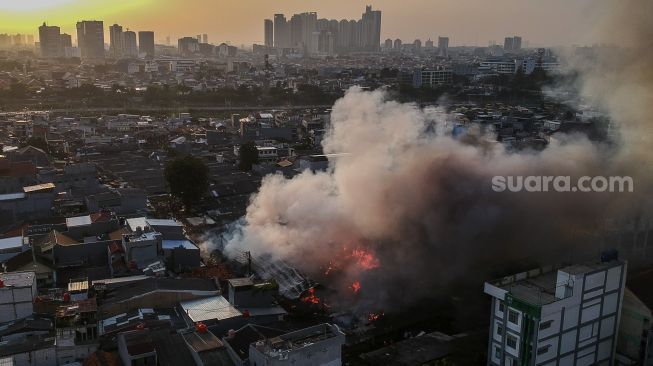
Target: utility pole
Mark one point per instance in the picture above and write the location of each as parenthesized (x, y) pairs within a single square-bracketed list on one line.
[(248, 254)]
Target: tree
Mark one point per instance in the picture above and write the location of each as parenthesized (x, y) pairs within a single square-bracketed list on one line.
[(248, 156), (187, 178)]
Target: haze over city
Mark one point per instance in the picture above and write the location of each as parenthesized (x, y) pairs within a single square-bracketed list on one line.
[(467, 22)]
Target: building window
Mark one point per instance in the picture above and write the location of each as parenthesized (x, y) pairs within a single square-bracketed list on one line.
[(501, 307), (512, 342), (546, 324), (513, 316), (497, 353), (543, 350), (499, 329)]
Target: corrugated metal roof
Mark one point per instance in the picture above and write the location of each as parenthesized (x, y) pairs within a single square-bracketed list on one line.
[(38, 187), (9, 243), (209, 308), (78, 221)]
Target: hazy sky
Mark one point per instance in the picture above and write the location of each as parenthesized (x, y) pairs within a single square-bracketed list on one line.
[(541, 22)]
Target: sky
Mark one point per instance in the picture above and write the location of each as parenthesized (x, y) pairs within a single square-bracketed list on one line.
[(468, 22)]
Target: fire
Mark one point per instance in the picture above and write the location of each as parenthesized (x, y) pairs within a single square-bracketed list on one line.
[(356, 286), (311, 298), (375, 316), (365, 258)]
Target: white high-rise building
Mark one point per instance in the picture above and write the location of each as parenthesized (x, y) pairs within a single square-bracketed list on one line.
[(568, 316)]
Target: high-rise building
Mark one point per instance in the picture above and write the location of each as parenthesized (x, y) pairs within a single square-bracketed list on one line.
[(295, 31), (397, 44), (268, 30), (130, 47), (567, 316), (90, 38), (516, 43), (371, 29), (116, 41), (281, 31), (205, 38), (30, 40), (146, 44), (168, 41), (187, 46), (309, 26), (417, 46), (429, 44), (508, 44), (443, 46), (388, 44), (50, 41), (66, 41)]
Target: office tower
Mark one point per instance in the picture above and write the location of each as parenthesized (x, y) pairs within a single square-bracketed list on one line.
[(388, 44), (281, 31), (268, 30), (205, 38), (516, 43), (567, 316), (130, 47), (199, 38), (90, 38), (397, 44), (443, 46), (371, 29), (295, 31), (50, 41), (67, 45), (344, 35), (508, 44), (116, 41), (309, 25), (417, 46), (429, 44), (146, 44), (187, 46)]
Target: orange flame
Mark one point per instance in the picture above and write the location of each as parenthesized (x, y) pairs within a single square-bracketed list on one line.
[(311, 298), (365, 258), (356, 286)]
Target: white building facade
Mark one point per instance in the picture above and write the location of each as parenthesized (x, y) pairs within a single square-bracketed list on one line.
[(557, 318)]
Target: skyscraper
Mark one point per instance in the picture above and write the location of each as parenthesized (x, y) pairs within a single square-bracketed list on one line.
[(309, 25), (295, 31), (130, 48), (508, 44), (90, 38), (268, 29), (281, 31), (516, 43), (50, 39), (443, 46), (187, 46), (205, 38), (117, 43), (371, 29), (66, 41), (397, 44), (146, 43)]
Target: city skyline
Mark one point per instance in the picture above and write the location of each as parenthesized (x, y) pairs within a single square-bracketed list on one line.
[(240, 24)]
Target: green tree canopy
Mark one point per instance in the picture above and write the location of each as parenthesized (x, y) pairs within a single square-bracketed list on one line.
[(187, 178)]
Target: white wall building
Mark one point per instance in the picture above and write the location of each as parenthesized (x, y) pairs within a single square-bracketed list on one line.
[(564, 317)]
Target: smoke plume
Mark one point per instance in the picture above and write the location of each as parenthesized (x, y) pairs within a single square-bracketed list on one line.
[(406, 208)]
